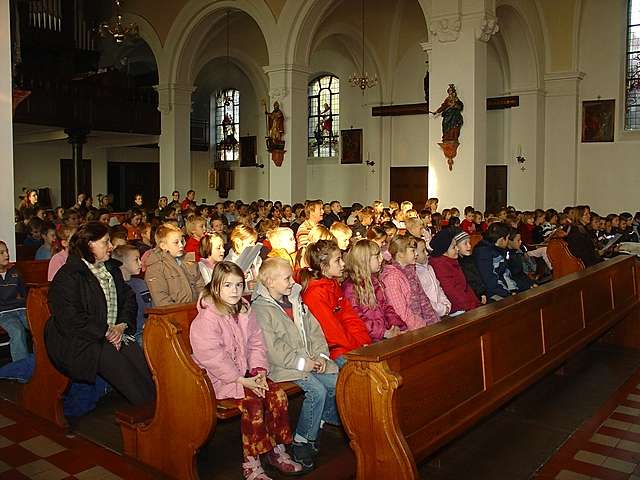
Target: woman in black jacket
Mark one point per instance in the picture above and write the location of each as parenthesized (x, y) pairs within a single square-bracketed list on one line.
[(93, 319), (579, 239)]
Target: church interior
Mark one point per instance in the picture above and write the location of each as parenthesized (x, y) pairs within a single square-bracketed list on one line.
[(524, 113)]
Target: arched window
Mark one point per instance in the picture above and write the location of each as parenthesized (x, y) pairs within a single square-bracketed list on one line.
[(324, 116), (632, 85), (227, 121)]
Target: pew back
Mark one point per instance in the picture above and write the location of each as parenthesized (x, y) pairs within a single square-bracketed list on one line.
[(402, 398), (562, 260), (43, 394), (33, 271)]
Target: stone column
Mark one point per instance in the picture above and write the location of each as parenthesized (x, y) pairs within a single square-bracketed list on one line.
[(288, 86), (561, 137), (7, 199), (174, 103), (458, 55)]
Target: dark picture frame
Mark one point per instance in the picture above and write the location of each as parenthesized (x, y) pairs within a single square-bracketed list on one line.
[(598, 121), (351, 145)]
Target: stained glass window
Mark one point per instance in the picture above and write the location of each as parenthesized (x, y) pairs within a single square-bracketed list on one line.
[(632, 86), (227, 121), (324, 116)]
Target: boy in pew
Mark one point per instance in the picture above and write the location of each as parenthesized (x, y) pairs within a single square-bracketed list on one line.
[(491, 259), (297, 352), (129, 257), (47, 249), (13, 317)]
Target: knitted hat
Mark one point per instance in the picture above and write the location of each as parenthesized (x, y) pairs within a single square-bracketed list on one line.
[(461, 236), (441, 242)]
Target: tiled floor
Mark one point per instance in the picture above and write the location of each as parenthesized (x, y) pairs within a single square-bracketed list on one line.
[(512, 444), (34, 449), (607, 446)]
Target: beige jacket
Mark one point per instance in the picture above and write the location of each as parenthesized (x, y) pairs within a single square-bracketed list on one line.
[(171, 282)]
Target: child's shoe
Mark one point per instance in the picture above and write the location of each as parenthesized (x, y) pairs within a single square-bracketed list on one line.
[(252, 470), (279, 459)]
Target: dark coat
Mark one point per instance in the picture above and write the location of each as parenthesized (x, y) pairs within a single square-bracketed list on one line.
[(581, 245), (492, 265), (515, 262), (12, 291), (75, 333), (471, 273)]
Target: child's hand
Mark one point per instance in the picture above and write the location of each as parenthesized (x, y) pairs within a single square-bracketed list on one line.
[(254, 384), (483, 299), (320, 365)]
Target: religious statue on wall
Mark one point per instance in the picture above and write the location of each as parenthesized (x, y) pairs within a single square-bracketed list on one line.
[(275, 133), (451, 111)]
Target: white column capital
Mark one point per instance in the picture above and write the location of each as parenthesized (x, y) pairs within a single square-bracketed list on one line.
[(171, 94), (487, 27), (563, 83), (446, 28)]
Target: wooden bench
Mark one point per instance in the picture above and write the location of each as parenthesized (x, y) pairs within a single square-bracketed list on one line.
[(33, 271), (43, 394), (168, 436), (403, 398), (561, 258)]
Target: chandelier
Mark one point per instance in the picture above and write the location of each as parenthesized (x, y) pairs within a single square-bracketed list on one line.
[(116, 29), (362, 79)]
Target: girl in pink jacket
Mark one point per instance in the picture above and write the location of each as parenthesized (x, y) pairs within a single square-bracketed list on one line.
[(227, 342)]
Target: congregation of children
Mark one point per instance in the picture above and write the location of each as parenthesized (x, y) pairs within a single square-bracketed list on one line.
[(283, 292)]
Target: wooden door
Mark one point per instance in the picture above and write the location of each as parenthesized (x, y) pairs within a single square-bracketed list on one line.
[(409, 183), (124, 180), (496, 193), (67, 179)]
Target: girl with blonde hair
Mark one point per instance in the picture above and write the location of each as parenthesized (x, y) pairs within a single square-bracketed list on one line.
[(366, 293)]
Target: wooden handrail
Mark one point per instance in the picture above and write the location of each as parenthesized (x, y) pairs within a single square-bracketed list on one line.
[(403, 398)]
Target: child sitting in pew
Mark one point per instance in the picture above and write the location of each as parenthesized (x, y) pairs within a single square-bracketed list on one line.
[(343, 328), (468, 265), (516, 262), (429, 281), (228, 343), (195, 227), (364, 290), (172, 276), (444, 260), (129, 257), (47, 249), (297, 352), (211, 253), (13, 312), (243, 236), (491, 259), (65, 232), (283, 244), (403, 287)]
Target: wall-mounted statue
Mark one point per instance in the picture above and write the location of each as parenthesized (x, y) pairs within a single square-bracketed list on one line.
[(451, 111), (275, 133)]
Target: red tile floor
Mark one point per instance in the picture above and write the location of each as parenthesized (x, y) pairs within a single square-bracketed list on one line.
[(605, 447), (33, 449)]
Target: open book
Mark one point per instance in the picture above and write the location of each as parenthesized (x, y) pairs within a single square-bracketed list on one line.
[(248, 256), (610, 242)]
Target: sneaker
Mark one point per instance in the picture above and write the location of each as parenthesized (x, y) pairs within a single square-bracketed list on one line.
[(252, 470), (304, 453), (279, 459)]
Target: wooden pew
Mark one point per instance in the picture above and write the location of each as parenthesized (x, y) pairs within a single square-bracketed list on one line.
[(168, 437), (43, 394), (33, 271), (562, 260), (403, 398), (24, 252)]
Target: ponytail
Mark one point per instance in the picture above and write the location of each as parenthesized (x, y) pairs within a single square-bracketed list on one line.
[(317, 257)]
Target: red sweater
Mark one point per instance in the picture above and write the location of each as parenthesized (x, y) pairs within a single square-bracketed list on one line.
[(468, 226), (193, 245), (342, 327), (454, 283)]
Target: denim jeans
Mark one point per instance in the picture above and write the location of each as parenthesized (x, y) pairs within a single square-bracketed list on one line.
[(340, 361), (15, 323), (319, 404)]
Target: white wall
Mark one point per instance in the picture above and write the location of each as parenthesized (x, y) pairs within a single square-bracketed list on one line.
[(608, 173)]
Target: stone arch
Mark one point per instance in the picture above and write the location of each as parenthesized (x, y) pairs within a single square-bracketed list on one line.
[(194, 23), (150, 36)]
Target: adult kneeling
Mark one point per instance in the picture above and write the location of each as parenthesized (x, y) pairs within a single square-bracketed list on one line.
[(93, 319)]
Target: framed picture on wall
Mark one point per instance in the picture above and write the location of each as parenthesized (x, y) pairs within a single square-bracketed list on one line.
[(351, 141), (598, 120)]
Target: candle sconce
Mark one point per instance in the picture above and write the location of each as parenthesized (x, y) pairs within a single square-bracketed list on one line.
[(521, 159)]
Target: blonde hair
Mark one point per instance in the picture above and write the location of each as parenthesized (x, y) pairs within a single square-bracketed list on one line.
[(241, 233), (271, 265), (406, 206), (277, 235), (400, 243), (192, 222), (377, 206), (359, 271), (319, 232), (339, 229), (164, 230)]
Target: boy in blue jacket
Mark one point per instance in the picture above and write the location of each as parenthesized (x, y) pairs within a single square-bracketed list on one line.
[(13, 312), (491, 259)]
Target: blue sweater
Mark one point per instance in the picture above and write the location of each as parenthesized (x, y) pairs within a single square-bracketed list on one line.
[(12, 291)]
